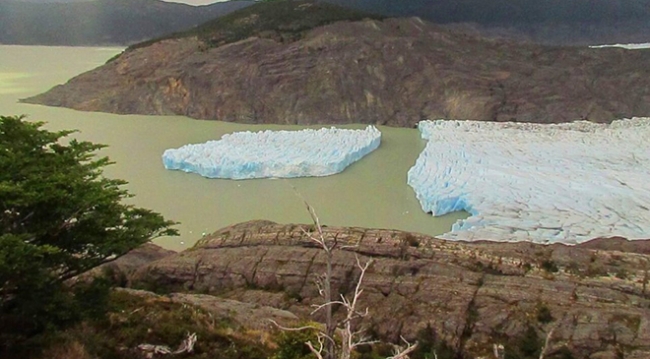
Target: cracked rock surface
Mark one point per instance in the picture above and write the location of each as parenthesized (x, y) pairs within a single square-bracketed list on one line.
[(593, 294)]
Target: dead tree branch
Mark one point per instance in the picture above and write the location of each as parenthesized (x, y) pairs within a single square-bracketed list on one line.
[(186, 346), (351, 336), (400, 352)]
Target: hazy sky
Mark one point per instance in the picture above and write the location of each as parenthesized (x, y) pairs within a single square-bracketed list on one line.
[(191, 2), (196, 2)]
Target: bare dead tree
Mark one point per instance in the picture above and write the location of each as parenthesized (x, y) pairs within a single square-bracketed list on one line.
[(324, 284), (546, 342), (499, 351), (351, 333), (350, 337), (646, 265), (402, 352), (186, 346)]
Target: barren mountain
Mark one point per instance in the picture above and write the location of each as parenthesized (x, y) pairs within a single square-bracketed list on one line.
[(472, 295), (305, 63)]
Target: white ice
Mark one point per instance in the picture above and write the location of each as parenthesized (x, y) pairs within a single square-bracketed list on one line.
[(265, 154), (625, 46), (564, 183)]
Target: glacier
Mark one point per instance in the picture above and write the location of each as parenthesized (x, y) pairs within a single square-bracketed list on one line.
[(565, 183), (275, 154)]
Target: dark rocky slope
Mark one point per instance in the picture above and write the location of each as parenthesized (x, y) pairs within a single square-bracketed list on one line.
[(392, 72), (541, 21), (472, 294)]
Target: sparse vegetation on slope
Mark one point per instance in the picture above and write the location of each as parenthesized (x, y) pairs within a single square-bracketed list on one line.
[(133, 320), (284, 21)]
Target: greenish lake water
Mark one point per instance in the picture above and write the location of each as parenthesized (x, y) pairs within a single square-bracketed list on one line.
[(370, 193)]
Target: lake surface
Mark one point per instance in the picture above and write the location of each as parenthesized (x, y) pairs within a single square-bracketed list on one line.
[(370, 193)]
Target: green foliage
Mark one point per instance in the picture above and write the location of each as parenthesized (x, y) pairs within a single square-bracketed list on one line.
[(544, 314), (526, 346), (596, 270), (291, 344), (621, 273), (574, 268), (115, 276), (92, 298), (430, 346), (375, 351), (562, 353), (59, 217), (283, 21), (411, 240), (549, 266)]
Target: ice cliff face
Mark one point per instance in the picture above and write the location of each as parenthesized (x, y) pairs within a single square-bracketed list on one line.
[(544, 183), (264, 154)]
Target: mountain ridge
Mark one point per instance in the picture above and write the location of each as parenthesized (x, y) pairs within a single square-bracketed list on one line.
[(101, 22), (392, 72), (552, 22)]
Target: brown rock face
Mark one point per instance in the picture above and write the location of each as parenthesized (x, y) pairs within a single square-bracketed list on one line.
[(473, 294), (119, 270), (393, 72)]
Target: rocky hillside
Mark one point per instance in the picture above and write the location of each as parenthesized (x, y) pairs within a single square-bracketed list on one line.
[(261, 65), (101, 22), (595, 295)]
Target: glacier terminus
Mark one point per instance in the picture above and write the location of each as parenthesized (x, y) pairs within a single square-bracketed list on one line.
[(565, 183)]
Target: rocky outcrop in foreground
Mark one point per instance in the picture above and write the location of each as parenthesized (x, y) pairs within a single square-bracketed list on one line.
[(472, 294), (393, 72)]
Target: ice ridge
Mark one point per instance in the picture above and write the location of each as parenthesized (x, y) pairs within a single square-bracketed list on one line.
[(283, 154), (564, 183)]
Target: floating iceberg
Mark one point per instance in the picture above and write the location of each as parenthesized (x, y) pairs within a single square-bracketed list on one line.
[(564, 183), (264, 154)]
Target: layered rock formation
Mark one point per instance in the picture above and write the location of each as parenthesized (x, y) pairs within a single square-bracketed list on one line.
[(119, 270), (390, 72), (472, 294)]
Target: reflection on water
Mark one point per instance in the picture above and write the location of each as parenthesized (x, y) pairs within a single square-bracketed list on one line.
[(370, 193), (10, 82)]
